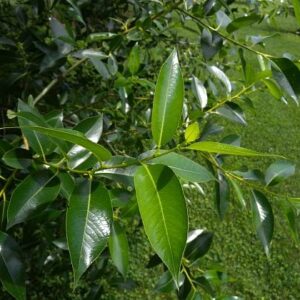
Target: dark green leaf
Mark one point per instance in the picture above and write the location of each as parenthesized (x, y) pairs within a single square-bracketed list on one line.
[(287, 75), (34, 191), (233, 112), (210, 129), (74, 137), (222, 195), (198, 244), (278, 171), (118, 247), (163, 211), (92, 130), (12, 270), (211, 43), (29, 116), (67, 184), (165, 283), (263, 219), (88, 224), (184, 167), (243, 22), (168, 101), (18, 158)]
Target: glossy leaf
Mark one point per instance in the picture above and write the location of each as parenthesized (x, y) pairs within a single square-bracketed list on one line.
[(29, 116), (17, 158), (74, 137), (199, 91), (243, 22), (192, 132), (214, 147), (163, 211), (34, 191), (222, 195), (92, 130), (210, 128), (278, 171), (88, 224), (118, 248), (184, 167), (263, 219), (60, 35), (165, 283), (232, 112), (12, 270), (287, 75), (67, 184), (134, 60), (168, 101), (198, 244), (221, 76)]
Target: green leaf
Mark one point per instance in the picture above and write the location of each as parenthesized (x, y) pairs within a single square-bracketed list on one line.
[(287, 75), (192, 132), (92, 130), (232, 112), (273, 88), (67, 184), (34, 191), (243, 22), (222, 195), (134, 60), (221, 76), (278, 171), (118, 248), (12, 270), (61, 35), (199, 91), (198, 244), (88, 224), (184, 167), (74, 137), (163, 210), (165, 284), (211, 43), (263, 219), (18, 158), (238, 192), (29, 116), (168, 101), (296, 4), (214, 147)]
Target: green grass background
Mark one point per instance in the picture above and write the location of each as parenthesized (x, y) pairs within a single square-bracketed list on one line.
[(273, 127)]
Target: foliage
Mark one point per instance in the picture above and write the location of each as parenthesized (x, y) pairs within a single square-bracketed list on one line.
[(110, 123)]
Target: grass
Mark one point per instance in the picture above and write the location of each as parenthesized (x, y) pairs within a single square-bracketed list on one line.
[(274, 128)]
